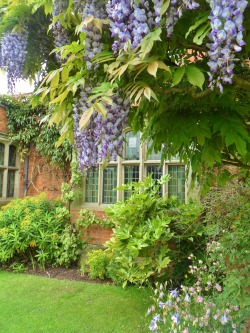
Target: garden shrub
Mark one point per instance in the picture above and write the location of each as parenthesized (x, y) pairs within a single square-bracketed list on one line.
[(227, 228), (193, 308), (96, 264), (144, 225), (38, 230), (88, 218)]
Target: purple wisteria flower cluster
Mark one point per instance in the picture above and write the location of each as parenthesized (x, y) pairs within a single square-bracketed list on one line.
[(191, 308), (93, 44), (60, 34), (102, 139), (13, 55), (176, 9), (131, 21), (226, 37)]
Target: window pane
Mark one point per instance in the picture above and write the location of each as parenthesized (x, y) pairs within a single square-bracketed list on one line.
[(131, 174), (12, 156), (109, 183), (132, 146), (156, 172), (153, 155), (176, 185), (2, 146), (1, 183), (10, 183), (91, 193)]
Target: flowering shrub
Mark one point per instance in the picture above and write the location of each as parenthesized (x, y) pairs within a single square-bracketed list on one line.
[(193, 308), (37, 230), (227, 228)]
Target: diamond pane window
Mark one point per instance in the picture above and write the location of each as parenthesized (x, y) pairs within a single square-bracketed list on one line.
[(91, 192), (132, 146), (131, 174), (109, 184), (176, 185)]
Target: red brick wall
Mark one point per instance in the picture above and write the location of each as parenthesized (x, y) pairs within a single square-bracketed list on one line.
[(41, 176), (3, 120), (95, 234), (44, 177)]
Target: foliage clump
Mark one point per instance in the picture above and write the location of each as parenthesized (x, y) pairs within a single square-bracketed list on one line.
[(28, 126), (218, 298), (37, 230), (147, 234), (227, 229)]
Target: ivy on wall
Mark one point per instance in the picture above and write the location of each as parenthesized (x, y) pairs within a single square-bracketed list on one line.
[(28, 126)]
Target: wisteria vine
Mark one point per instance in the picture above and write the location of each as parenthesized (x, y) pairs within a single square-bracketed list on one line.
[(13, 55), (61, 37), (101, 140), (226, 39)]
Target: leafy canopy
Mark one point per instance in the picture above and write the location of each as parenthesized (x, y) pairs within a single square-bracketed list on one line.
[(166, 80)]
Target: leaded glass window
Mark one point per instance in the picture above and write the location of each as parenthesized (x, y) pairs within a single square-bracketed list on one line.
[(131, 174), (153, 155), (12, 156), (156, 172), (109, 193), (11, 183), (91, 186), (132, 146), (176, 185)]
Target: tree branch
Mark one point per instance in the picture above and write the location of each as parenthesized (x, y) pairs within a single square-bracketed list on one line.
[(189, 91)]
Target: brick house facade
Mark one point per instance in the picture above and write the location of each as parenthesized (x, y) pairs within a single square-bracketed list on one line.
[(34, 175)]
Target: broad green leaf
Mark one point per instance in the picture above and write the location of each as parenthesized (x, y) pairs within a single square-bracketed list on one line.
[(161, 65), (148, 42), (55, 80), (86, 117), (241, 145), (147, 93), (107, 100), (65, 74), (178, 75), (138, 95), (164, 7), (60, 98), (210, 155), (195, 76), (152, 68), (51, 75), (201, 34), (100, 108), (197, 23)]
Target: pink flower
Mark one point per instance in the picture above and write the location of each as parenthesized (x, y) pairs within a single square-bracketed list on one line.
[(218, 287), (199, 299), (185, 330)]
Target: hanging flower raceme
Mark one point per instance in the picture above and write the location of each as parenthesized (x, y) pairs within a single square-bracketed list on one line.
[(226, 37), (13, 55), (102, 138)]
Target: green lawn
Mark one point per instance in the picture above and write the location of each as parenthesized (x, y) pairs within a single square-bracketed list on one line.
[(31, 304)]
